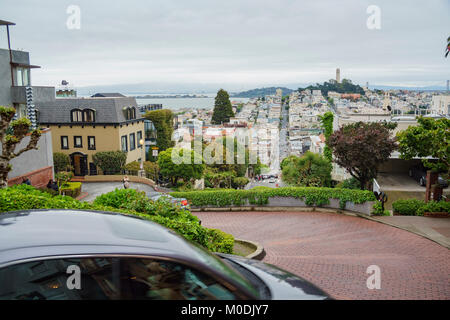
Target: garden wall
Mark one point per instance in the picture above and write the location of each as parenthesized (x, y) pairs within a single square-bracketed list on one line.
[(337, 199)]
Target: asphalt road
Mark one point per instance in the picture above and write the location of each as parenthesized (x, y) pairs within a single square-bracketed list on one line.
[(94, 189)]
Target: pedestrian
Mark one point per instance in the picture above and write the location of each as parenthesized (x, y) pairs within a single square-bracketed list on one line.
[(52, 185), (126, 182), (26, 181)]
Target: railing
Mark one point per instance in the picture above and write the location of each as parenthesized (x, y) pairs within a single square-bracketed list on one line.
[(376, 186)]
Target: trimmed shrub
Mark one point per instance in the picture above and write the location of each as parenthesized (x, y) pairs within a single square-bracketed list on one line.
[(311, 196), (71, 189), (417, 207), (378, 210), (407, 207), (434, 206), (220, 241), (111, 162)]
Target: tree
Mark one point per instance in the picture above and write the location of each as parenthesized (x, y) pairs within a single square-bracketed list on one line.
[(61, 162), (151, 168), (361, 147), (186, 171), (163, 122), (223, 110), (310, 170), (111, 162), (431, 138), (239, 182), (11, 134), (62, 178), (327, 125), (346, 86)]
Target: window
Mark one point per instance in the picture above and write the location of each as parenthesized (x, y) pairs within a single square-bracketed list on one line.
[(139, 137), (105, 278), (91, 142), (22, 77), (64, 142), (130, 113), (77, 115), (89, 115), (124, 144), (150, 131), (132, 141), (77, 142)]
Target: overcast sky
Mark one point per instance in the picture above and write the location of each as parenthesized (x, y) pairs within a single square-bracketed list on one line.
[(234, 44)]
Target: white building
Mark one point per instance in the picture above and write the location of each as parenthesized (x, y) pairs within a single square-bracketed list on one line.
[(441, 105)]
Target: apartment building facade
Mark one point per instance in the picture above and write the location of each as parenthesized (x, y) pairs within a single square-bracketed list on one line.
[(82, 127)]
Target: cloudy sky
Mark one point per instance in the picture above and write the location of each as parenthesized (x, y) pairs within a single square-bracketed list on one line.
[(172, 45)]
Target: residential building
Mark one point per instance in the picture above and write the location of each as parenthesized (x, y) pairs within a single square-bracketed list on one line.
[(17, 91), (65, 90), (441, 105), (82, 127)]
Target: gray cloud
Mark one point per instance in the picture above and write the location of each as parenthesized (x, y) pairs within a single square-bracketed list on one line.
[(233, 43)]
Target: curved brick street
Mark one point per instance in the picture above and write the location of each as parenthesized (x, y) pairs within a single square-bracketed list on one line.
[(333, 251)]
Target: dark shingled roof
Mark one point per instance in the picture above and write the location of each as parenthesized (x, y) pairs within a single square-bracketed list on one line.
[(107, 95), (107, 110)]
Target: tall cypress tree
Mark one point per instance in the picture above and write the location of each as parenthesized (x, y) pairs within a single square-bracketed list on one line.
[(223, 110)]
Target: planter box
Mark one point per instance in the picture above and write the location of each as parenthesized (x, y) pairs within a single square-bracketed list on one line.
[(364, 208)]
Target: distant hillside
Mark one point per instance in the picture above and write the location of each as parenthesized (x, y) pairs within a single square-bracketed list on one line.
[(261, 92), (346, 86)]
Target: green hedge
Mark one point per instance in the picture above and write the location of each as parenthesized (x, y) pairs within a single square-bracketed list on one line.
[(311, 196), (125, 201), (71, 189), (434, 206), (407, 207), (415, 207)]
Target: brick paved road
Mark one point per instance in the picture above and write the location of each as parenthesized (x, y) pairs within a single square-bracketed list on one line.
[(333, 251)]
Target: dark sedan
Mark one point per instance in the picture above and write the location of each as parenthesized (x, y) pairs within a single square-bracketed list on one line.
[(74, 254), (419, 173)]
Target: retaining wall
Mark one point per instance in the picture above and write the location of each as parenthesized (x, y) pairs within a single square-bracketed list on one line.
[(292, 202)]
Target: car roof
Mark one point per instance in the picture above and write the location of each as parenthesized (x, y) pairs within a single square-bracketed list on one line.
[(35, 233)]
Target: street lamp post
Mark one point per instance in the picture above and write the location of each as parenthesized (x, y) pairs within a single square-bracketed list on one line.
[(142, 171)]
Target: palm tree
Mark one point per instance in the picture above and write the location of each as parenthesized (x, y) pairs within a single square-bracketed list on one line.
[(447, 51)]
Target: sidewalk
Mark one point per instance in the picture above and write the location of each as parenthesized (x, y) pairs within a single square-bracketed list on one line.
[(435, 229)]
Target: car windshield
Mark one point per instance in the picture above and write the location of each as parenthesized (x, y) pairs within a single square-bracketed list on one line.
[(223, 268)]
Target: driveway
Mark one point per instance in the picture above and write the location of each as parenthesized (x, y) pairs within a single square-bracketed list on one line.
[(334, 251), (94, 189)]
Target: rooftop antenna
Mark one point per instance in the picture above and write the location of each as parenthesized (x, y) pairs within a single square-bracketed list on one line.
[(7, 24)]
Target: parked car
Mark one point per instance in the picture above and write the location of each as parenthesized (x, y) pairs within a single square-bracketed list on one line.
[(419, 173), (272, 180), (45, 254), (179, 201)]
